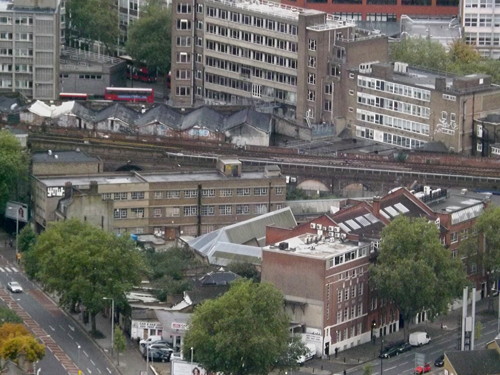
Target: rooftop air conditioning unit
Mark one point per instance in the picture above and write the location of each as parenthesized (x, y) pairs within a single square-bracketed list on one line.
[(330, 228), (319, 226), (337, 235), (331, 234), (336, 229), (313, 226)]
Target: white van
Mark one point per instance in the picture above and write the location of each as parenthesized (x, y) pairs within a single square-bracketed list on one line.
[(419, 338), (310, 353), (150, 340)]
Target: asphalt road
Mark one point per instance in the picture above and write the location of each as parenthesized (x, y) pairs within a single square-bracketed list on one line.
[(68, 347)]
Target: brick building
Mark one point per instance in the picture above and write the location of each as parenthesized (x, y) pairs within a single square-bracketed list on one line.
[(166, 204), (321, 266)]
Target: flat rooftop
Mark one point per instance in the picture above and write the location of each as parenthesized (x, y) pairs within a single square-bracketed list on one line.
[(63, 157), (457, 202), (323, 249), (136, 178)]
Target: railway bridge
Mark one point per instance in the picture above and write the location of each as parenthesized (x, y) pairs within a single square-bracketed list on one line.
[(332, 174)]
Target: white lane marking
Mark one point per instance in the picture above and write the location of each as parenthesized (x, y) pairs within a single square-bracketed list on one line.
[(99, 371), (70, 336), (8, 269), (1, 269), (52, 328), (108, 370), (71, 328), (91, 361), (84, 352), (14, 269), (88, 370)]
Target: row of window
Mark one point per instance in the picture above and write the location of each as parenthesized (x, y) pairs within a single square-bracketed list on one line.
[(90, 76), (462, 235), (482, 39), (20, 84), (256, 55), (23, 37), (394, 88), (348, 332), (205, 210), (20, 20), (18, 52), (482, 3), (250, 37), (258, 22), (389, 138), (135, 195), (206, 193), (394, 105), (348, 256), (248, 72), (25, 68), (393, 122), (482, 20)]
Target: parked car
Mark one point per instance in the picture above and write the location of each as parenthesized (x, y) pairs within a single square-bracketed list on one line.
[(161, 342), (389, 351), (423, 369), (404, 347), (158, 355), (14, 287), (309, 354), (439, 362), (154, 346)]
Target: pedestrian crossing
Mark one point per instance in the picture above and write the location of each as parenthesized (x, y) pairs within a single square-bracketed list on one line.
[(8, 269)]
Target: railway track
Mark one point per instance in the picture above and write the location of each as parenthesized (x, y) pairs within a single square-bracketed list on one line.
[(151, 147)]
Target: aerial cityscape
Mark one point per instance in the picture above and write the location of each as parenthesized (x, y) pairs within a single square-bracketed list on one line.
[(249, 187)]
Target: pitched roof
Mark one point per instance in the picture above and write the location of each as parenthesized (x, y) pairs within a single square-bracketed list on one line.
[(241, 241), (161, 114), (249, 116), (203, 117), (359, 220), (118, 111), (475, 362)]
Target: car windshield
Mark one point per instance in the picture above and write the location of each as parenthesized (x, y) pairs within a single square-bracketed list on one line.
[(14, 283)]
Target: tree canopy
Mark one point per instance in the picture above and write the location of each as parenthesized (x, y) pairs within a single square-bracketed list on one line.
[(13, 168), (245, 331), (149, 37), (414, 271), (83, 264), (93, 20), (17, 342), (488, 225), (460, 58)]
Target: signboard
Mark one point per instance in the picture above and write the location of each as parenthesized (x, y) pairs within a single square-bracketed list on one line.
[(17, 211), (55, 191), (187, 368), (179, 326)]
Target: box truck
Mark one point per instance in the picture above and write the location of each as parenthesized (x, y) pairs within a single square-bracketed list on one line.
[(419, 338)]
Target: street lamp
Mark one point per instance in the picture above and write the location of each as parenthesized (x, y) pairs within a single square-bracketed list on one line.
[(79, 347), (192, 355), (112, 322)]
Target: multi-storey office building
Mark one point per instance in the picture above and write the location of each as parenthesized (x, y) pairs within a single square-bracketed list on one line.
[(245, 52), (481, 23), (381, 10), (30, 47), (405, 107), (166, 204)]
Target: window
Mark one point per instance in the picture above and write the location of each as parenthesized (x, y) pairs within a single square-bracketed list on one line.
[(157, 212), (260, 191), (311, 95), (120, 213), (190, 211), (183, 8), (172, 211), (190, 193), (260, 209), (207, 211), (137, 195), (328, 106), (183, 25), (454, 237), (360, 289), (279, 190), (242, 209), (312, 44), (158, 194), (225, 209), (311, 63), (120, 196), (226, 192), (353, 292), (328, 88), (137, 212), (346, 294), (107, 197), (339, 295), (242, 192), (173, 194), (311, 78), (208, 193)]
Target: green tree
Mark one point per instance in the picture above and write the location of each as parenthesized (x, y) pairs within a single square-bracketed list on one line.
[(149, 37), (245, 331), (414, 271), (27, 239), (488, 225), (9, 316), (83, 264), (367, 369), (245, 269), (119, 342), (13, 168), (93, 20)]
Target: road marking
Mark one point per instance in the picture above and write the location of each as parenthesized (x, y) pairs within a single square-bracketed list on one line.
[(70, 336), (84, 352), (52, 328), (99, 371), (108, 370), (15, 269), (91, 361), (390, 368), (1, 269), (60, 326), (8, 269), (71, 328), (88, 370)]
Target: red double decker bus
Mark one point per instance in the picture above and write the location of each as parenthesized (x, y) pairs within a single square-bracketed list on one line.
[(73, 96), (129, 94)]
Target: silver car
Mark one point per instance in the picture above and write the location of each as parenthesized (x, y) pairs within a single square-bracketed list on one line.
[(14, 287)]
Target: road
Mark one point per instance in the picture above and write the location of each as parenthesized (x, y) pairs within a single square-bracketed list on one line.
[(405, 363), (68, 346)]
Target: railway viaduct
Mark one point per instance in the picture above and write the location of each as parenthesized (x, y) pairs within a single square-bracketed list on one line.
[(335, 175)]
